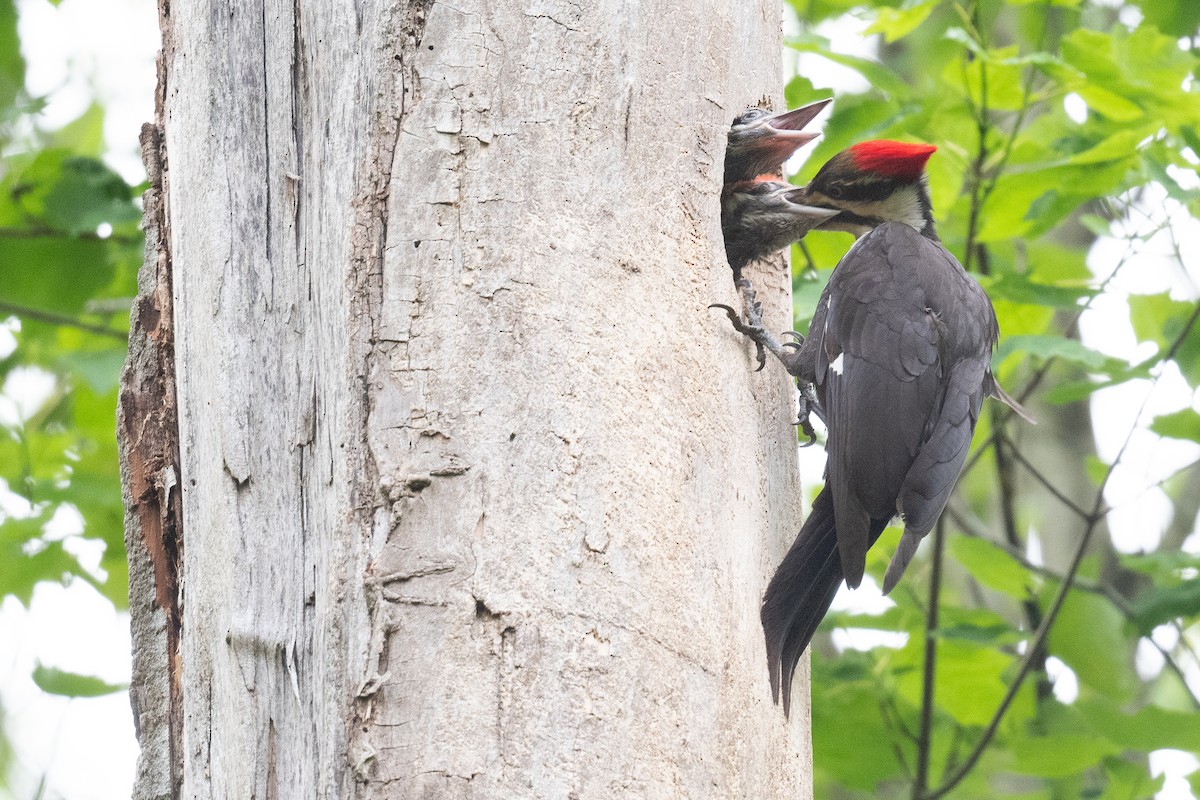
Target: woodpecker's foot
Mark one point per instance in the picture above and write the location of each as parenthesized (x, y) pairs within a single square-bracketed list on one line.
[(749, 331), (807, 407), (752, 328)]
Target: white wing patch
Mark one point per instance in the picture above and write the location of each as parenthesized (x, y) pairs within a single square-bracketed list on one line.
[(838, 363)]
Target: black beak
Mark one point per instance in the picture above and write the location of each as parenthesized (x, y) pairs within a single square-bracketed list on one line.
[(798, 198), (791, 123)]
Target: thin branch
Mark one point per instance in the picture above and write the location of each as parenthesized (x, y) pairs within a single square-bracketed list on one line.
[(892, 719), (925, 736), (982, 126), (1040, 478), (50, 318), (811, 265), (45, 232), (1008, 492)]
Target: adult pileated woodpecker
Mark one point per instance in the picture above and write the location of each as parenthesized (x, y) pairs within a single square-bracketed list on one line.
[(899, 353), (759, 141)]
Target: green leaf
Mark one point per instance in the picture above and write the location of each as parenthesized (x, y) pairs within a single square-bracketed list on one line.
[(1020, 289), (1161, 604), (896, 23), (968, 678), (1130, 779), (844, 715), (25, 560), (53, 273), (1057, 347), (1183, 424), (1133, 73), (1159, 319), (994, 79), (972, 625), (800, 91), (1108, 103), (1174, 566), (1116, 147), (12, 65), (1057, 189), (71, 684), (101, 369), (881, 77), (1172, 17), (893, 620), (75, 194), (1073, 391), (992, 566), (1149, 728), (84, 136), (807, 287), (1089, 636), (1060, 755)]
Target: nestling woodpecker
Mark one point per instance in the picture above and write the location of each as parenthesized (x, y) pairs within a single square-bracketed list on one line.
[(761, 217), (759, 141), (757, 218), (899, 353)]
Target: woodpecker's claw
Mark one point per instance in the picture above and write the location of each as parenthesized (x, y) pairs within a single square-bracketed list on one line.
[(753, 329), (807, 427), (746, 330), (807, 406), (796, 345)]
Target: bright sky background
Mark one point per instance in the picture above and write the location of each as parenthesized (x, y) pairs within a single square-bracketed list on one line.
[(85, 749)]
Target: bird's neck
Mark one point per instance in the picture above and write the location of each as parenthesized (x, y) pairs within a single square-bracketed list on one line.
[(910, 205), (927, 229)]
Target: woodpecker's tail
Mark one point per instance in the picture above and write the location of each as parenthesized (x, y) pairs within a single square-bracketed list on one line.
[(799, 595)]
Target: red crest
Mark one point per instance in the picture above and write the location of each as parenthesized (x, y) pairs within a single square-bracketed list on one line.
[(903, 160)]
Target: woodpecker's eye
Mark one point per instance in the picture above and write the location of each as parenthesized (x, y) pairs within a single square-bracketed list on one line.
[(834, 192)]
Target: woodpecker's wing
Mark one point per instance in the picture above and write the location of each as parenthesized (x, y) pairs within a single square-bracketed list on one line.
[(900, 372)]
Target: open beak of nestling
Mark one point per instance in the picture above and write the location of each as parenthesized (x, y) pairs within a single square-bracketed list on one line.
[(784, 132), (760, 142), (789, 125)]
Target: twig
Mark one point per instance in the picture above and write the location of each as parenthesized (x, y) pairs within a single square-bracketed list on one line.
[(924, 737), (51, 318), (1033, 611), (1042, 479), (46, 232)]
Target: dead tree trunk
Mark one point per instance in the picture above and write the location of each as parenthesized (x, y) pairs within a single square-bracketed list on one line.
[(478, 499)]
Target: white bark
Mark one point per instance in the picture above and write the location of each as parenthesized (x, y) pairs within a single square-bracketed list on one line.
[(479, 498)]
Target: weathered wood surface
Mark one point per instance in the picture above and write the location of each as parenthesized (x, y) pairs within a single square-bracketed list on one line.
[(479, 499)]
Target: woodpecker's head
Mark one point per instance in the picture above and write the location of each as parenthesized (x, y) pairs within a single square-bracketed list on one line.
[(760, 217), (759, 141), (871, 183)]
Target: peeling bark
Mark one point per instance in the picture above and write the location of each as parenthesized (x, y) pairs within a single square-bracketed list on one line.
[(148, 434)]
